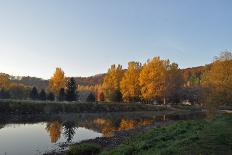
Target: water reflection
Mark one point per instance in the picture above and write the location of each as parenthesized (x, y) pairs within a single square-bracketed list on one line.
[(108, 127), (54, 129), (69, 130), (101, 124), (42, 132)]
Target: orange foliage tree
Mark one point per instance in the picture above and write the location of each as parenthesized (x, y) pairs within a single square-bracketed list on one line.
[(57, 81)]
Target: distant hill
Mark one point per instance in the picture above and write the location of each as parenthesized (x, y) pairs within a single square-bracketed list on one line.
[(43, 84), (89, 81), (31, 81), (193, 74)]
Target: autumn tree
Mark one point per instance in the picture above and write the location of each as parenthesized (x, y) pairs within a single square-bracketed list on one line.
[(101, 97), (129, 85), (71, 90), (57, 81), (218, 81), (174, 82), (34, 94), (152, 79), (111, 83), (4, 81)]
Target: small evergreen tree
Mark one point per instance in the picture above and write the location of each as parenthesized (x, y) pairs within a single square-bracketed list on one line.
[(71, 90), (91, 98), (61, 96), (116, 96), (34, 94), (42, 95), (51, 96), (4, 94)]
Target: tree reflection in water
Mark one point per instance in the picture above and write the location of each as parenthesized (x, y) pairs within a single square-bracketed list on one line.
[(108, 127), (69, 130), (54, 129)]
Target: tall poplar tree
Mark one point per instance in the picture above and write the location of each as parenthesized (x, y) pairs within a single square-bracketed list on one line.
[(57, 81), (111, 83), (219, 81), (152, 79), (129, 85)]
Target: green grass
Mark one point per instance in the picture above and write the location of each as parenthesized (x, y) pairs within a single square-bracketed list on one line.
[(84, 149), (205, 137)]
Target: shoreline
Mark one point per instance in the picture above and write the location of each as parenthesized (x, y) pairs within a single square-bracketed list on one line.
[(119, 137), (113, 141)]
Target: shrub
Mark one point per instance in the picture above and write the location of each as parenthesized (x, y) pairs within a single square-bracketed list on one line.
[(83, 149)]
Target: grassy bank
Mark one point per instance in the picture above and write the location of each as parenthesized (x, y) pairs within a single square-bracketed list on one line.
[(206, 137), (39, 107)]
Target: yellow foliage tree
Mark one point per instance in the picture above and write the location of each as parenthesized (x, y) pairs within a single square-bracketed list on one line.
[(152, 79), (111, 82), (219, 81), (4, 81), (129, 85), (57, 81)]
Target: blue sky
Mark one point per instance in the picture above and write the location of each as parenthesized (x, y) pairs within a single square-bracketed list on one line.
[(84, 37)]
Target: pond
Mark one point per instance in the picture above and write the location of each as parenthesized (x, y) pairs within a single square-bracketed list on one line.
[(36, 134)]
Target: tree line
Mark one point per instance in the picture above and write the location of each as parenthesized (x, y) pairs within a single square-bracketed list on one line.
[(164, 82), (156, 80)]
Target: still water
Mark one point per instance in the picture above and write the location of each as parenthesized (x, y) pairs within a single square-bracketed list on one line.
[(34, 135)]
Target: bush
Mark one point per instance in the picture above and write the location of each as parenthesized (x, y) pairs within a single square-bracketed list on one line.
[(84, 149)]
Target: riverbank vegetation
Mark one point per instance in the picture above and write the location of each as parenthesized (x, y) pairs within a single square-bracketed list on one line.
[(40, 107), (208, 137)]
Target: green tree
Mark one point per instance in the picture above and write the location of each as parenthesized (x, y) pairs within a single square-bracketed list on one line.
[(4, 94), (42, 95), (91, 98), (71, 90), (69, 130), (51, 96), (61, 96), (34, 94)]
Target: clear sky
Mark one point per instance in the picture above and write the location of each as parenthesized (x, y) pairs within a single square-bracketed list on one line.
[(84, 37)]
